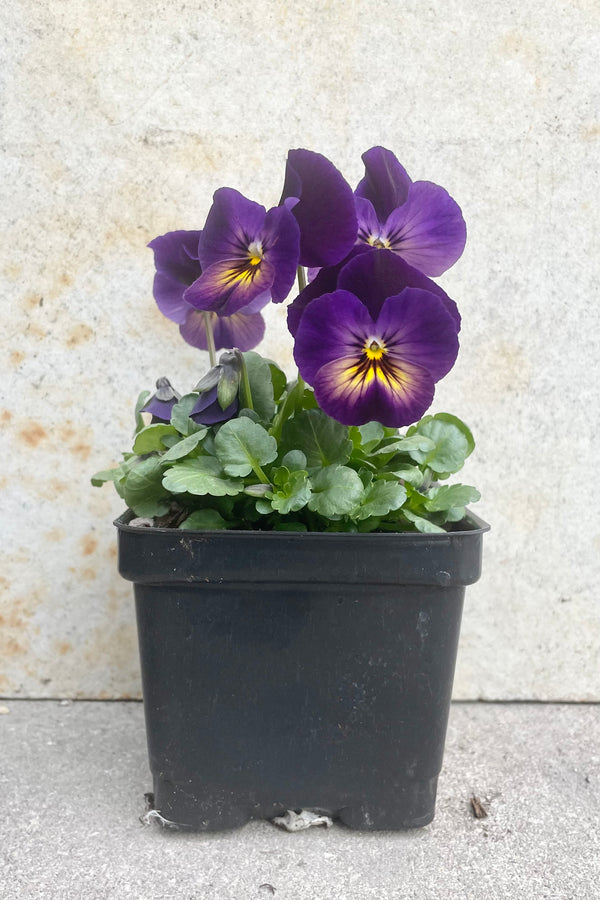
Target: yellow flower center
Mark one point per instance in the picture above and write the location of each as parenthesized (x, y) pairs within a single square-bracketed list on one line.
[(377, 241), (374, 349), (255, 253)]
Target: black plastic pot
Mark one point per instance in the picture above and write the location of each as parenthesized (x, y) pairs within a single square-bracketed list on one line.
[(297, 670)]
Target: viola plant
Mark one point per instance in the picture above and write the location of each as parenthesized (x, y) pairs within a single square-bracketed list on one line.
[(373, 334)]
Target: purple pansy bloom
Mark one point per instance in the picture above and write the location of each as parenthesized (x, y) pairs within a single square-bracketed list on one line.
[(377, 273), (161, 403), (417, 220), (208, 410), (177, 267), (322, 203), (371, 356), (248, 256)]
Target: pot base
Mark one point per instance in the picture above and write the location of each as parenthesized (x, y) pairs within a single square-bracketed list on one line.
[(410, 805)]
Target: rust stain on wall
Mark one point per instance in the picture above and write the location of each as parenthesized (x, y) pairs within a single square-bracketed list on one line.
[(15, 620), (81, 449), (17, 357), (88, 545), (32, 434), (54, 535), (591, 132), (32, 301), (79, 334), (5, 416)]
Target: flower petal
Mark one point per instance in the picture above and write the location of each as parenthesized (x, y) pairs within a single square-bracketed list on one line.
[(241, 330), (396, 395), (324, 282), (375, 275), (333, 326), (282, 248), (232, 224), (177, 266), (386, 182), (325, 211), (227, 289), (428, 231), (369, 227), (207, 410), (417, 329)]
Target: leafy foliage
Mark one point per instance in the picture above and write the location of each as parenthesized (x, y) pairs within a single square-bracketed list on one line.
[(283, 464)]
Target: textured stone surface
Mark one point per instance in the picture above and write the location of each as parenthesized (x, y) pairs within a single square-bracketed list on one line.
[(73, 779), (120, 119)]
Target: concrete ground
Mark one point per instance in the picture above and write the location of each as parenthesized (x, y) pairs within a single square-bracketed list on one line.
[(73, 776)]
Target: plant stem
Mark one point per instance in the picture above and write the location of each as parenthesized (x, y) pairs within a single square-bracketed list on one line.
[(301, 278), (260, 474), (210, 338), (246, 390)]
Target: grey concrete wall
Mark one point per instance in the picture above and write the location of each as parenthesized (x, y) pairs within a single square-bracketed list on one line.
[(120, 119)]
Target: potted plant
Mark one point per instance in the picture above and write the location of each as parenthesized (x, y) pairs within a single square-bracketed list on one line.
[(299, 563)]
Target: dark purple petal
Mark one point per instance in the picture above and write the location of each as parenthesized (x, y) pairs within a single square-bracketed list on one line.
[(227, 288), (233, 223), (416, 328), (369, 226), (428, 231), (325, 211), (324, 282), (161, 403), (281, 247), (177, 266), (176, 254), (242, 330), (333, 326), (376, 275), (207, 410), (160, 409), (398, 396), (385, 183)]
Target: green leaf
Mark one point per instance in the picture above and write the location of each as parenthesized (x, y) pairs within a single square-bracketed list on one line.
[(323, 441), (201, 475), (140, 402), (180, 415), (293, 495), (149, 438), (244, 446), (413, 475), (296, 398), (105, 475), (261, 384), (421, 524), (204, 520), (336, 490), (405, 445), (453, 443), (142, 488), (278, 378), (185, 446), (367, 436), (380, 498), (293, 460), (440, 499)]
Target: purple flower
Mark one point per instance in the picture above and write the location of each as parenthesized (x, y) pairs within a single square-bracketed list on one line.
[(177, 267), (322, 203), (162, 402), (375, 273), (208, 410), (372, 354), (417, 220), (248, 256)]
